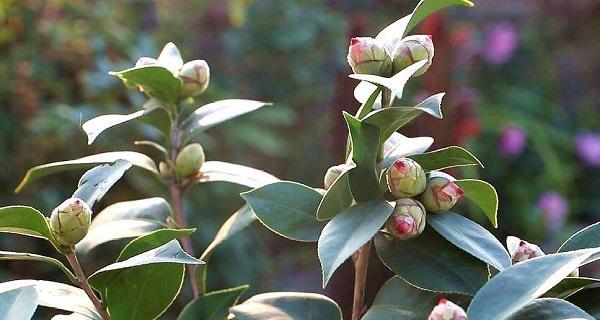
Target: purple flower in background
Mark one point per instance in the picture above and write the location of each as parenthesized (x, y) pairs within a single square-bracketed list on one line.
[(587, 147), (554, 209), (512, 141), (501, 42)]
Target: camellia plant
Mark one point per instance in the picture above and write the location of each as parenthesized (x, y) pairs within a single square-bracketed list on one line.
[(390, 193)]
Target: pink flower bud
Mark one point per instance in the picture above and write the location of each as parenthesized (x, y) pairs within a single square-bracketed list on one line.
[(447, 310), (195, 76), (521, 250), (406, 178), (412, 49), (367, 56), (440, 194), (408, 219)]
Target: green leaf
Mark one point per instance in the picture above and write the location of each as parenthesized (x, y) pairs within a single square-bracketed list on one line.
[(156, 81), (444, 158), (213, 305), (396, 83), (391, 34), (156, 114), (137, 159), (588, 237), (236, 223), (516, 286), (550, 309), (23, 256), (18, 303), (288, 209), (417, 260), (152, 240), (470, 237), (27, 221), (587, 299), (97, 125), (96, 182), (348, 231), (219, 111), (145, 285), (337, 198), (483, 195), (58, 296), (367, 106), (398, 146), (234, 173), (154, 145), (569, 286), (363, 179), (398, 300), (125, 220), (287, 306)]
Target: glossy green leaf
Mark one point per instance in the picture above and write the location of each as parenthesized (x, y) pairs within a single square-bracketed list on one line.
[(27, 221), (156, 81), (398, 300), (470, 237), (94, 127), (96, 182), (156, 114), (337, 198), (363, 179), (587, 299), (483, 195), (417, 259), (348, 231), (23, 256), (391, 34), (213, 305), (287, 306), (550, 309), (569, 286), (236, 223), (398, 146), (217, 112), (137, 159), (125, 220), (152, 240), (518, 285), (234, 173), (444, 158), (58, 296), (288, 209), (396, 83), (18, 303), (369, 104), (588, 237), (154, 145)]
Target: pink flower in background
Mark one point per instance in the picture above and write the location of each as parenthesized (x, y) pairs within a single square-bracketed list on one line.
[(512, 141), (587, 147), (554, 209), (501, 42)]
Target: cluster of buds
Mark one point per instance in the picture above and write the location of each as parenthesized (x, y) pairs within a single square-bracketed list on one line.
[(521, 250), (447, 310), (70, 221), (417, 193), (367, 55)]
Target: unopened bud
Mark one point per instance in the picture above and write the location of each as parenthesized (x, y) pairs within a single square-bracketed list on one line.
[(441, 194), (189, 160), (412, 49), (332, 174), (407, 220), (70, 221), (406, 178), (165, 170), (195, 76), (447, 310), (521, 250), (367, 56)]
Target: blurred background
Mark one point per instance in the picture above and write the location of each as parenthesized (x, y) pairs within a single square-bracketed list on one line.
[(521, 79)]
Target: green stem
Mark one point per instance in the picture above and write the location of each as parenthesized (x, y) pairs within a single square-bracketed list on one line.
[(85, 286)]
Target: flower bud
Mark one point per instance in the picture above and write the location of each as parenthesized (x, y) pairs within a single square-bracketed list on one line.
[(521, 250), (412, 49), (189, 160), (70, 221), (195, 76), (447, 310), (440, 194), (407, 220), (332, 174), (406, 178), (164, 170), (367, 56)]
